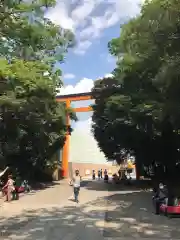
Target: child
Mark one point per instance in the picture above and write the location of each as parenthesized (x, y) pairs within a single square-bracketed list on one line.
[(10, 187)]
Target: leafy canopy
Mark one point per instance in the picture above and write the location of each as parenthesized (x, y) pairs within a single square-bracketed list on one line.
[(141, 115), (32, 123)]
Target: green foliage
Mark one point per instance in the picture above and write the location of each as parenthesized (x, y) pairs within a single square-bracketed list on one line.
[(27, 34), (142, 114), (32, 123)]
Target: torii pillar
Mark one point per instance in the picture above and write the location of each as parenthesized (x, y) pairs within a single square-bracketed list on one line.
[(65, 153)]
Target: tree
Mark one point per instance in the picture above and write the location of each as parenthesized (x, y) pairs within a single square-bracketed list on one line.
[(142, 115), (32, 123), (27, 34)]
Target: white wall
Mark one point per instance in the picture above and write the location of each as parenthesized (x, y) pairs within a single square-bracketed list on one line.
[(83, 147)]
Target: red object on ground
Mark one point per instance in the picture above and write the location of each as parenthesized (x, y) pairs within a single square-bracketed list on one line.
[(18, 189), (163, 207), (170, 209), (173, 209)]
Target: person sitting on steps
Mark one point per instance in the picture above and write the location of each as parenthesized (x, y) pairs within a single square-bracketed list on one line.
[(159, 198)]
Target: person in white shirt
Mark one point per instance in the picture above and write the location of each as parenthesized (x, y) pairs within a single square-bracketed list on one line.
[(76, 181)]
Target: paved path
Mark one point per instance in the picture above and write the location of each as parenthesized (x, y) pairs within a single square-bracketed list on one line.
[(105, 212)]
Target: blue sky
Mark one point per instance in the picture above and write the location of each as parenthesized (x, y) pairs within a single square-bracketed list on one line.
[(95, 62), (94, 23)]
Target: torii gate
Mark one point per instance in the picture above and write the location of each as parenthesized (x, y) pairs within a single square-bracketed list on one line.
[(68, 99)]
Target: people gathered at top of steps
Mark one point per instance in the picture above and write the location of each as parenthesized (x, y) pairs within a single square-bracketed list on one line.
[(100, 175)]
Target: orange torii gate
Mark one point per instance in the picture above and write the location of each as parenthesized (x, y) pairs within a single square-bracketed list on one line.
[(67, 99)]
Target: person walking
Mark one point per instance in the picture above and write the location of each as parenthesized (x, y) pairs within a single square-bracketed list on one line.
[(76, 182)]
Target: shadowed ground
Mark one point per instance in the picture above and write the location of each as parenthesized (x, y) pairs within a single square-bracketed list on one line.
[(105, 212)]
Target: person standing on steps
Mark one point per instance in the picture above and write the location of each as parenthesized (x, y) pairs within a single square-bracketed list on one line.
[(101, 173), (76, 181), (106, 177), (93, 175), (105, 173)]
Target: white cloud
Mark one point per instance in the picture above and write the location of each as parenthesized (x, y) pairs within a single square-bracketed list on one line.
[(108, 75), (59, 15), (88, 18), (69, 76), (84, 85), (82, 11), (82, 47)]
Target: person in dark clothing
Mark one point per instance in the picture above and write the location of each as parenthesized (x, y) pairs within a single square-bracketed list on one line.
[(101, 173), (159, 198), (93, 175), (105, 172), (106, 177)]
